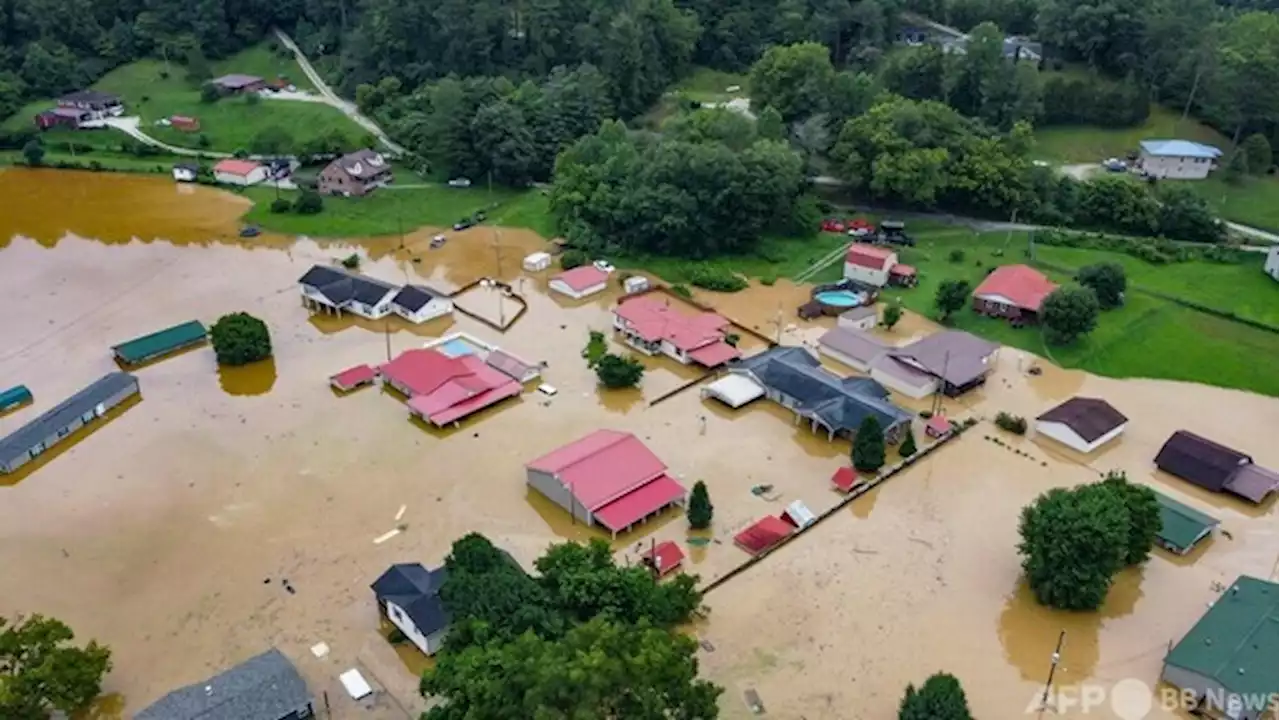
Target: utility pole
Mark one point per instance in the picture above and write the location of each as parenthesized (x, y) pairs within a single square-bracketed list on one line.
[(936, 406), (400, 222), (497, 273), (1057, 655)]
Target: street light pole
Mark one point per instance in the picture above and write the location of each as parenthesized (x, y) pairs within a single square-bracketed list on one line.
[(1053, 668)]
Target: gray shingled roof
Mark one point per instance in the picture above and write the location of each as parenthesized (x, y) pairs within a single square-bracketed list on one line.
[(953, 355), (339, 286), (416, 590), (59, 416), (853, 344), (265, 687)]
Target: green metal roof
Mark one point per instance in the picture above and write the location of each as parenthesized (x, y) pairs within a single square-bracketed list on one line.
[(1237, 642), (15, 395), (1182, 525), (159, 343)]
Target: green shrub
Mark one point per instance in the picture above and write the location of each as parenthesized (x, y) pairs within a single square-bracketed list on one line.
[(351, 262), (280, 205), (768, 280), (682, 290), (308, 203), (717, 279), (571, 259), (956, 255), (239, 339), (1015, 424)]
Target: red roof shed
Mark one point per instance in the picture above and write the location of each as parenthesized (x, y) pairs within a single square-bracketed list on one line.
[(353, 377), (870, 256), (664, 558), (844, 479), (765, 533), (937, 426)]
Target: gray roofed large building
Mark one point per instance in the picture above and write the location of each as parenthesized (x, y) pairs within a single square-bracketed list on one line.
[(334, 288), (959, 360), (24, 444), (264, 687), (794, 378)]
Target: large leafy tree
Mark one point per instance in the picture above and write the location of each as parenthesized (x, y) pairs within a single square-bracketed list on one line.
[(1069, 313), (239, 339), (940, 698), (868, 445), (1073, 542), (1144, 515), (795, 80), (950, 297), (1106, 280), (600, 669), (41, 671), (582, 582)]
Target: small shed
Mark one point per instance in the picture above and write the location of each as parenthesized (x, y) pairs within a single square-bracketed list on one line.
[(1082, 424), (664, 558), (1182, 526), (763, 534), (184, 123), (353, 377), (160, 343), (859, 318), (15, 396), (937, 426), (734, 390), (185, 172), (799, 515), (537, 261), (903, 275), (845, 479), (635, 284)]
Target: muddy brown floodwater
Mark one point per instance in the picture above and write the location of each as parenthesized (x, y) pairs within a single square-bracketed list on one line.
[(167, 532)]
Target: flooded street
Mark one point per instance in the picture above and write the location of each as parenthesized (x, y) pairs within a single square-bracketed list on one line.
[(167, 532)]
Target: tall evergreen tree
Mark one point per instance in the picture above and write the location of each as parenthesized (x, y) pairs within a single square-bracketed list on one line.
[(868, 445)]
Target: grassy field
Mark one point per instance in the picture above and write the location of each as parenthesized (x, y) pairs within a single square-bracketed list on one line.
[(1083, 143), (1147, 337), (107, 159), (154, 91), (706, 85), (385, 212), (1254, 202)]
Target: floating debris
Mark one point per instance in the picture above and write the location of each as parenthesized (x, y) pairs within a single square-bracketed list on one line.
[(320, 649), (400, 514), (386, 536), (753, 701)]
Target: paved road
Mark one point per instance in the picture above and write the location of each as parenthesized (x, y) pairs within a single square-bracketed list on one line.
[(349, 109)]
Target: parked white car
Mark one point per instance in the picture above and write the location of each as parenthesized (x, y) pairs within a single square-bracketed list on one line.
[(603, 266), (460, 183)]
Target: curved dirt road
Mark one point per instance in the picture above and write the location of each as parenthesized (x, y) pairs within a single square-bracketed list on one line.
[(130, 126), (349, 109)]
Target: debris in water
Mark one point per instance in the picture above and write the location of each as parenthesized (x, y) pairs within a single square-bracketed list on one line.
[(320, 649), (753, 701), (266, 581), (400, 513), (290, 589), (706, 645), (386, 536)]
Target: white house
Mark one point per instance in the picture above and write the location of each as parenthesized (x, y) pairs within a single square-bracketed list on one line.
[(419, 303), (1082, 424), (1177, 159), (185, 172), (869, 264), (1272, 265), (580, 282), (859, 318), (332, 289), (409, 597), (537, 261), (851, 347), (239, 172)]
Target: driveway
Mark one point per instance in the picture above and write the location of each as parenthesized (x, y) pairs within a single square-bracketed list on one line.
[(131, 126)]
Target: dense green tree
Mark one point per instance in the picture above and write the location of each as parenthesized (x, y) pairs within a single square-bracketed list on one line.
[(795, 80), (908, 446), (1258, 151), (892, 314), (583, 582), (769, 125), (940, 698), (1073, 542), (239, 339), (700, 509), (720, 125), (33, 152), (950, 297), (618, 371), (491, 599), (42, 672), (1144, 515), (271, 140), (1106, 34), (1183, 214), (868, 445), (504, 144), (600, 669), (1106, 280), (1241, 95), (1069, 313), (917, 73), (309, 202), (1117, 203)]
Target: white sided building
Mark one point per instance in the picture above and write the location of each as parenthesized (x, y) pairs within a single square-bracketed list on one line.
[(335, 290), (419, 303), (1177, 159), (1082, 424), (239, 172), (869, 264), (580, 282)]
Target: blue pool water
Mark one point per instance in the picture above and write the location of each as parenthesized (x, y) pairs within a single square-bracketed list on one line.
[(840, 298), (456, 347)]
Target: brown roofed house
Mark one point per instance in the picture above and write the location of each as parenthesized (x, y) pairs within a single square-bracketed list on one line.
[(1082, 424), (356, 174), (1215, 467), (238, 83)]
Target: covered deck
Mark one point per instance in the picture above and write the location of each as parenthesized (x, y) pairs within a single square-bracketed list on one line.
[(637, 506)]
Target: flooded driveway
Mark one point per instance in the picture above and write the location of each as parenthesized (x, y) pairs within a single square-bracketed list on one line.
[(168, 532)]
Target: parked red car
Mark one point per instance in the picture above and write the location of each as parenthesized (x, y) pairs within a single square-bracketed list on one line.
[(835, 225)]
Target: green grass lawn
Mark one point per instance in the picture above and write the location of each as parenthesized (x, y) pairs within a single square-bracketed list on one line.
[(1083, 143), (1255, 201), (388, 212), (109, 160), (706, 85)]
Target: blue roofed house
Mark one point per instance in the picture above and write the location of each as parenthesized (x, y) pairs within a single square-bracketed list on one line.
[(794, 378), (1177, 159), (409, 596), (264, 687)]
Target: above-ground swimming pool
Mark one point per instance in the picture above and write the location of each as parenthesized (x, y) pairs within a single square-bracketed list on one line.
[(841, 298), (457, 347)]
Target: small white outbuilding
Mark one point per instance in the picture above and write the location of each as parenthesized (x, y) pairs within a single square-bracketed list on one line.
[(1082, 424), (537, 261)]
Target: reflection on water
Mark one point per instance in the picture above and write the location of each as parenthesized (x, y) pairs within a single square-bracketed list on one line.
[(414, 660), (622, 400), (253, 379), (1029, 630), (104, 707), (83, 433)]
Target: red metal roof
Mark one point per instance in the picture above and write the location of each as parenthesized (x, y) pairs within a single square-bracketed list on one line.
[(764, 534), (443, 389), (903, 270), (354, 376), (601, 467), (844, 478), (470, 405), (236, 167), (421, 370), (938, 425), (655, 318), (666, 557), (715, 354), (870, 256), (635, 505), (1025, 286), (582, 277)]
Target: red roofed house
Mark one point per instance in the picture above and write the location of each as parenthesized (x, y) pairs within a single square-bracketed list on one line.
[(607, 478), (1012, 291), (869, 264), (580, 282), (353, 377), (443, 390), (762, 535), (239, 172), (652, 325)]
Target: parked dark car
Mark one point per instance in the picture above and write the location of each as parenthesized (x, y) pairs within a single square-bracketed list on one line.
[(463, 224), (480, 216), (894, 232)]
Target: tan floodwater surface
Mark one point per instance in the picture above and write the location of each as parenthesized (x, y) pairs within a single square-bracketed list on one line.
[(168, 531)]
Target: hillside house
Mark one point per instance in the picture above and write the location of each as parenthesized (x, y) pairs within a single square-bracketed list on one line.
[(1014, 292), (408, 596), (653, 325), (1177, 159), (239, 172), (185, 172), (98, 104), (355, 174), (1082, 424), (608, 478), (236, 83), (264, 687)]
